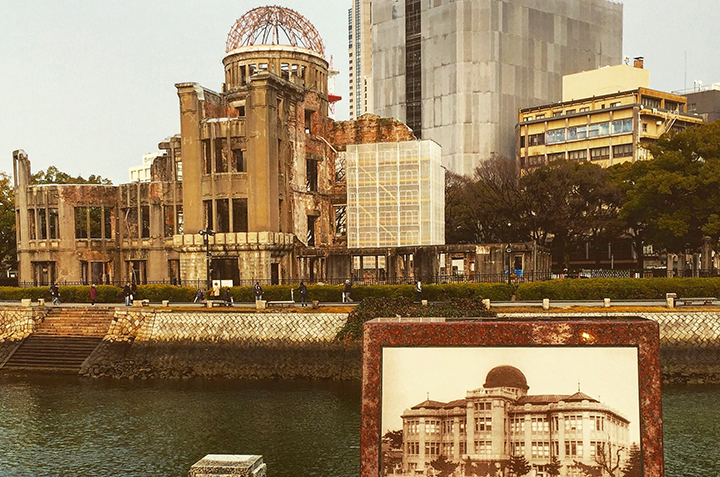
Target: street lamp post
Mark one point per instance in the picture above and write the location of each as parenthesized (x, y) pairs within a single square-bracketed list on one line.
[(206, 234), (508, 250)]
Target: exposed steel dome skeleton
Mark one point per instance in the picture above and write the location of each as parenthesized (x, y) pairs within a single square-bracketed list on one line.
[(274, 25)]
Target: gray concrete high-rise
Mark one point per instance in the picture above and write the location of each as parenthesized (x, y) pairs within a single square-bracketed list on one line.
[(457, 71)]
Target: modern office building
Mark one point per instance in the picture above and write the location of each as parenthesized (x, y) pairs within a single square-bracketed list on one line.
[(607, 116), (360, 58), (457, 71), (501, 419), (705, 101)]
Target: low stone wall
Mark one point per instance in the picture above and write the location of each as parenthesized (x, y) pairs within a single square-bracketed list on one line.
[(17, 323), (228, 344), (689, 342)]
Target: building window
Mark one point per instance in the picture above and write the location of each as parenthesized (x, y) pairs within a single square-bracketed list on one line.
[(536, 139), (169, 220), (599, 153), (311, 175), (462, 426), (145, 221), (95, 215), (240, 215), (554, 136), (221, 160), (432, 448), (570, 111), (540, 450), (207, 162), (53, 224), (622, 126), (311, 219), (81, 223), (517, 448), (578, 155), (650, 102), (644, 127), (413, 448), (573, 449), (615, 104), (584, 109), (483, 424), (597, 423), (208, 214), (623, 150), (483, 447), (42, 224), (432, 427), (539, 424), (340, 220), (555, 156), (576, 133), (573, 423), (239, 160), (223, 215), (308, 121)]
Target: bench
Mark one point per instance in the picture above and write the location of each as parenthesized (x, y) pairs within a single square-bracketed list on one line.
[(212, 303), (696, 301), (281, 303)]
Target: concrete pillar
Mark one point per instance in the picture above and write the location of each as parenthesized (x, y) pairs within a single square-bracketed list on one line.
[(606, 303), (229, 464), (546, 304)]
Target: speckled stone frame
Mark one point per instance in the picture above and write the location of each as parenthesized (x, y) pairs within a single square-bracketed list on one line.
[(528, 332)]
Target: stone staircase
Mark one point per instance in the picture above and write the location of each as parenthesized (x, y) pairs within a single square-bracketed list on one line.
[(63, 340)]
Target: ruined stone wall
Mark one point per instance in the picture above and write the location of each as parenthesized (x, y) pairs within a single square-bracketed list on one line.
[(368, 128), (229, 344)]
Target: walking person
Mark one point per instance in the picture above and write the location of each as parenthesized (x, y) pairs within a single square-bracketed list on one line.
[(258, 291), (418, 291), (303, 294), (346, 292), (127, 292), (199, 296), (55, 293), (93, 294)]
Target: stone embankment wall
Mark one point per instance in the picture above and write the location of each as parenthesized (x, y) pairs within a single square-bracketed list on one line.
[(16, 323), (689, 342), (228, 344)]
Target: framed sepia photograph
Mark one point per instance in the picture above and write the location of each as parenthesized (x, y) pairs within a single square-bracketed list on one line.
[(542, 398)]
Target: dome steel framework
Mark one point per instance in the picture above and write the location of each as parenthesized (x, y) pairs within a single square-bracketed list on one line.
[(274, 25)]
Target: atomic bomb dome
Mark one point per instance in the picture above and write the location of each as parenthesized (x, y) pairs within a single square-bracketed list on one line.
[(506, 376), (274, 25)]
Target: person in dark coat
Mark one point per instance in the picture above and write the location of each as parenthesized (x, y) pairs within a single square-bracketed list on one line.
[(257, 289), (127, 293), (55, 293), (93, 294), (226, 297), (303, 294)]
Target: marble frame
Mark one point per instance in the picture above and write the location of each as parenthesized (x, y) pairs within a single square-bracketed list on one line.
[(527, 332)]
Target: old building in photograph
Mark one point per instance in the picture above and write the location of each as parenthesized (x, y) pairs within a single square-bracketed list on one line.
[(502, 419), (607, 116)]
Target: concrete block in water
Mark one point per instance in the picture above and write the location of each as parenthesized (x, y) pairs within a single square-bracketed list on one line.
[(229, 464)]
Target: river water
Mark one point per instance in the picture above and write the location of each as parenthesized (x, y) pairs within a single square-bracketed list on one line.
[(71, 426)]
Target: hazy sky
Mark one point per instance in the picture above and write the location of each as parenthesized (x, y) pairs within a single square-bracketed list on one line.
[(88, 86), (609, 375)]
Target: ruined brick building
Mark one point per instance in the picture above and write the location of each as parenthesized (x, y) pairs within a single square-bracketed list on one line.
[(262, 167), (260, 164)]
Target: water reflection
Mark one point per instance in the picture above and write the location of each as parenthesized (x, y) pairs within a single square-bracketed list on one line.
[(70, 426), (54, 425)]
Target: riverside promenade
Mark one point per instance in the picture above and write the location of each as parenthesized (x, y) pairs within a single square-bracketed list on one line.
[(180, 341)]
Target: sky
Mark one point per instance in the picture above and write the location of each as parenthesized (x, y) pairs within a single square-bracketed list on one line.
[(88, 86), (410, 375)]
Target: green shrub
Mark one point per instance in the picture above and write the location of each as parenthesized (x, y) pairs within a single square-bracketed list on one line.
[(618, 288), (382, 307)]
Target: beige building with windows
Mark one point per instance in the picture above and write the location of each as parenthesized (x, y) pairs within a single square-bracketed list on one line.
[(607, 116), (501, 419)]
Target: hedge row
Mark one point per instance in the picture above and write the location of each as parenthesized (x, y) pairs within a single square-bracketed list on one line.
[(568, 289), (618, 288), (322, 293)]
